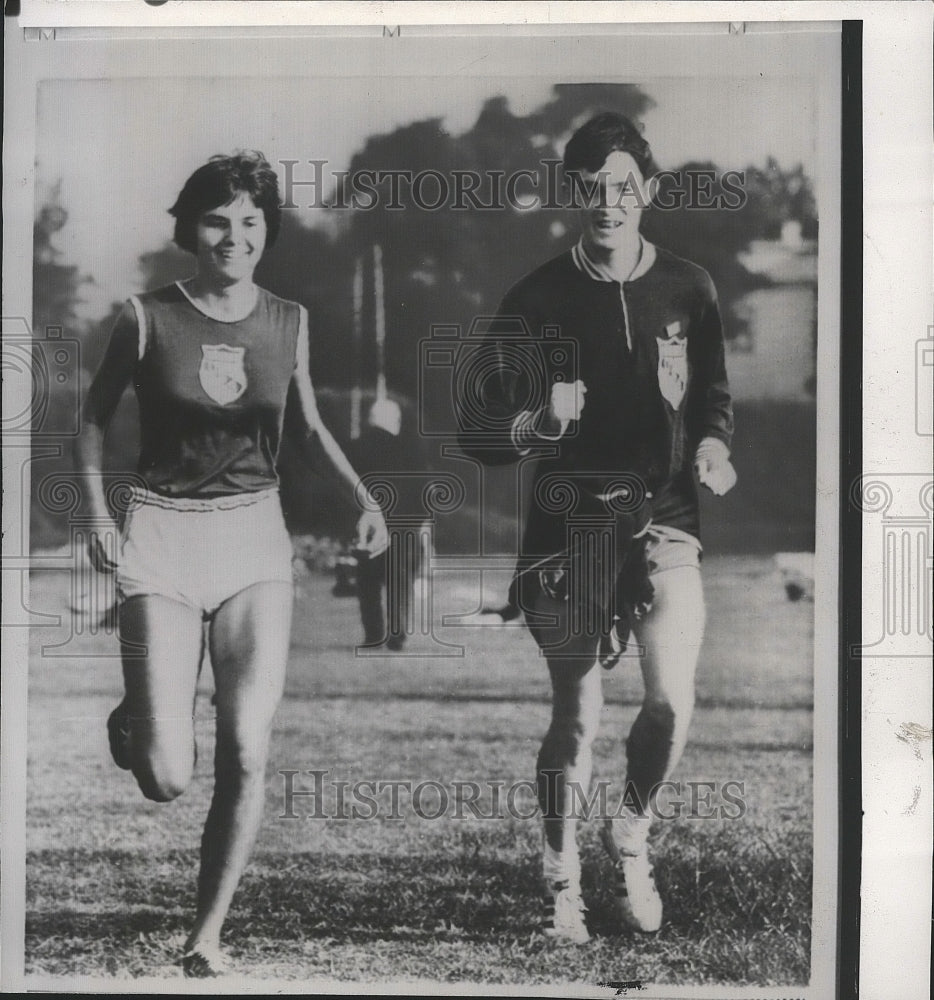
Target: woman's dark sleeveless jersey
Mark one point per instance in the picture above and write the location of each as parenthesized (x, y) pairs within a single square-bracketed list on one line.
[(211, 393)]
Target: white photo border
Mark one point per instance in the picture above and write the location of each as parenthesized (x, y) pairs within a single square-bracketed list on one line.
[(895, 690)]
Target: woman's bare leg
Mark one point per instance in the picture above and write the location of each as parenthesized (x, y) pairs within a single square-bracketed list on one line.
[(249, 641), (162, 643)]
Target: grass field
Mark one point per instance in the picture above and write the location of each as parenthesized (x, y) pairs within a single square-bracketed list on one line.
[(110, 878)]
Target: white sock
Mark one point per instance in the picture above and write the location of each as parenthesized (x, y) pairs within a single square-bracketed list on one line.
[(630, 831), (561, 866)]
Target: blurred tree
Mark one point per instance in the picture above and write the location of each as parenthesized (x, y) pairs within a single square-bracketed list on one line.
[(452, 264), (712, 236), (56, 295), (447, 265), (309, 266), (775, 196), (56, 286), (163, 266)]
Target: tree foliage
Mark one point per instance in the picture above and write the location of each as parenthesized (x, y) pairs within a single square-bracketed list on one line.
[(450, 265), (56, 286)]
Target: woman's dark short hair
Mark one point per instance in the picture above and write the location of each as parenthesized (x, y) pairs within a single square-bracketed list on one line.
[(605, 133), (219, 182)]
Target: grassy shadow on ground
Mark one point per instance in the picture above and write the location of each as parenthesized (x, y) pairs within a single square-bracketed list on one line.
[(737, 913), (110, 877)]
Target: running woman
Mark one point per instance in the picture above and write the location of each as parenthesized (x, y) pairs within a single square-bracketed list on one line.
[(211, 359), (648, 410)]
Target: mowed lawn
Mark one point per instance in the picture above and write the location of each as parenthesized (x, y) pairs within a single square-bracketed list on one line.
[(454, 899)]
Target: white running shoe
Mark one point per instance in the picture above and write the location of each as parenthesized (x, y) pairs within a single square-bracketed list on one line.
[(564, 914), (632, 880), (637, 900)]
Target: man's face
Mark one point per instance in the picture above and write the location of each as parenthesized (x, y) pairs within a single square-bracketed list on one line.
[(612, 201)]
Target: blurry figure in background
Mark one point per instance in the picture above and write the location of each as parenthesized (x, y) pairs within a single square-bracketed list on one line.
[(345, 573), (385, 582)]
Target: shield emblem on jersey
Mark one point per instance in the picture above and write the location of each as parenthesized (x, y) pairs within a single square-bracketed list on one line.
[(673, 364), (222, 375)]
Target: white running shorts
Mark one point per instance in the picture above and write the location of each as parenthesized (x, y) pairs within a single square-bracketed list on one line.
[(202, 552)]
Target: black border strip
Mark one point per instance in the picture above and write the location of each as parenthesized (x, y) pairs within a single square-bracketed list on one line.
[(850, 812)]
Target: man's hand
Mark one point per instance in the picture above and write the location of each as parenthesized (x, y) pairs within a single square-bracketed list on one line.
[(713, 466), (566, 404), (372, 534)]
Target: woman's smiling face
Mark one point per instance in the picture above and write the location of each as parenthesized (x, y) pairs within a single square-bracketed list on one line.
[(230, 240)]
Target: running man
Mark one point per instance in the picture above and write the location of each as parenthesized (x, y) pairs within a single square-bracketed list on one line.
[(647, 410)]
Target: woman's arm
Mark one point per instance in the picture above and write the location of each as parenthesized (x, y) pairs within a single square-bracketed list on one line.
[(372, 535), (114, 374)]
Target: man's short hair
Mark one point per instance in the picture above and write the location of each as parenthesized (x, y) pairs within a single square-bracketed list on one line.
[(219, 182), (605, 133)]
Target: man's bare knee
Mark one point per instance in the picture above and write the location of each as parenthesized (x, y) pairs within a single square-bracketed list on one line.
[(674, 701), (591, 708), (576, 711), (660, 712)]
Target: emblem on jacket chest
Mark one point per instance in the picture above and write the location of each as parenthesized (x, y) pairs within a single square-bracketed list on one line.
[(222, 374), (673, 363)]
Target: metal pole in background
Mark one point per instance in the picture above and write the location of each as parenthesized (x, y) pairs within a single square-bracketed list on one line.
[(380, 307), (355, 393)]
